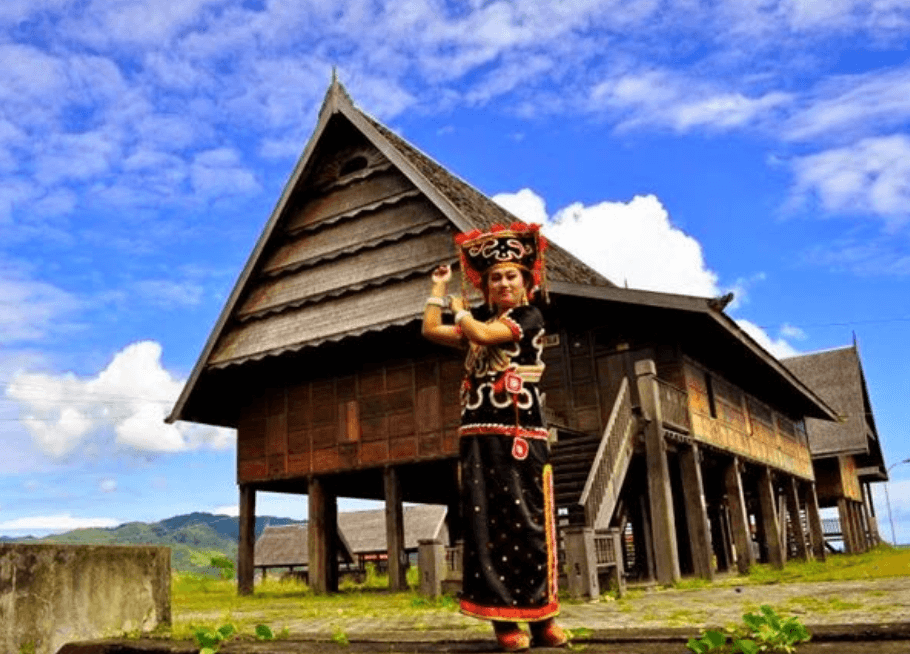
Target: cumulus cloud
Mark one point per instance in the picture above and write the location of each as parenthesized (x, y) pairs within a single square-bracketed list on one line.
[(636, 244), (871, 176), (130, 398), (779, 347), (632, 243)]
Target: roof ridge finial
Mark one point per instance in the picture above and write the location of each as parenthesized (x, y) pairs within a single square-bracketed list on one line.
[(334, 74)]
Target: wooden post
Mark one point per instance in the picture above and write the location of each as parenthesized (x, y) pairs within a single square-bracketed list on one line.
[(769, 518), (431, 563), (696, 512), (644, 549), (869, 511), (322, 536), (796, 524), (739, 518), (394, 529), (815, 523), (663, 529), (860, 525), (581, 562), (246, 540), (846, 525)]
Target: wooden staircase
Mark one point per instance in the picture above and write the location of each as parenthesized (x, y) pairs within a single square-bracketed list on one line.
[(589, 469)]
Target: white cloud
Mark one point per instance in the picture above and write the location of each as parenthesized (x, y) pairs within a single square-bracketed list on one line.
[(852, 105), (220, 172), (792, 331), (55, 523), (633, 243), (664, 98), (30, 310), (636, 244), (108, 485), (779, 347), (871, 176), (130, 397)]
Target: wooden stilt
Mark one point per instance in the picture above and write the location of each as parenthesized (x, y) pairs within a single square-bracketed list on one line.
[(769, 518), (796, 524), (663, 528), (696, 512), (815, 523), (322, 535), (846, 525), (246, 540), (394, 529), (739, 519)]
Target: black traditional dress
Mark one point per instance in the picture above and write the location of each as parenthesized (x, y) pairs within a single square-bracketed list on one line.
[(510, 570)]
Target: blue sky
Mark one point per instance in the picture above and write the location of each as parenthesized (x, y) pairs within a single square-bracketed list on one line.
[(691, 147)]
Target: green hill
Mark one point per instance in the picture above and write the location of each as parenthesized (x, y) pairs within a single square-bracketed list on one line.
[(194, 538)]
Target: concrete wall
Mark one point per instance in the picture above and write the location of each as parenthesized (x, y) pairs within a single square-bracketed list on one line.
[(53, 594)]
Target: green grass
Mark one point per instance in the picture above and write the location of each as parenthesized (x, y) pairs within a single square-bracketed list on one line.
[(880, 562), (200, 601)]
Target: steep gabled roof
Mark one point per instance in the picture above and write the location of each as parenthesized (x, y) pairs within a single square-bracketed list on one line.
[(339, 259), (837, 376)]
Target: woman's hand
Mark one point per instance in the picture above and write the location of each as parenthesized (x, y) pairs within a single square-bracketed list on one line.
[(442, 274), (456, 303)]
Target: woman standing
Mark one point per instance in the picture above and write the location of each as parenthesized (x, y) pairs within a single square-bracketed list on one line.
[(510, 567)]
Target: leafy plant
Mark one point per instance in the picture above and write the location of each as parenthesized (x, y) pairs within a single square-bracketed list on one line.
[(224, 565), (210, 640), (339, 637), (773, 633), (765, 631), (264, 632)]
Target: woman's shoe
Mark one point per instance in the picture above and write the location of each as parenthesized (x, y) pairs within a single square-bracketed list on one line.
[(510, 638), (548, 634)]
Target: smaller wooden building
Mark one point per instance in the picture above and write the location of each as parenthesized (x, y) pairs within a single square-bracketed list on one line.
[(361, 540), (846, 455)]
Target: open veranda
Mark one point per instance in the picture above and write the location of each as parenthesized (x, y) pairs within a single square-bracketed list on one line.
[(289, 608)]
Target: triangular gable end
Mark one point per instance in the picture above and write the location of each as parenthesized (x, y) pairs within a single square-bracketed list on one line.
[(347, 250)]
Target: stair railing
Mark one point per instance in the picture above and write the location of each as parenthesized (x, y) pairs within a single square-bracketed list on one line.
[(608, 470)]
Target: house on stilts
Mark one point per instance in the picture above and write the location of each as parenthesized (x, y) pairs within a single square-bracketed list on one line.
[(670, 425), (846, 455)]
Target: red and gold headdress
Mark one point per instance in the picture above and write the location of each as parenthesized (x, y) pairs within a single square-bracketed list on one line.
[(521, 244)]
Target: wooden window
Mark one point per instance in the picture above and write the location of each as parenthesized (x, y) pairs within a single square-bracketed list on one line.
[(761, 412), (786, 426), (729, 403)]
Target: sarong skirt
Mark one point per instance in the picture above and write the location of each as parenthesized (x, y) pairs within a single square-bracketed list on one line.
[(510, 567)]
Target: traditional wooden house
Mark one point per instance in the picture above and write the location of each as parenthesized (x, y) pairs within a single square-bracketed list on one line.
[(668, 420), (846, 455), (361, 540)]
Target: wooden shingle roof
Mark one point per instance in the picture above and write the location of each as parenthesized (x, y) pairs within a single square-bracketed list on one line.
[(360, 532), (837, 376), (349, 246)]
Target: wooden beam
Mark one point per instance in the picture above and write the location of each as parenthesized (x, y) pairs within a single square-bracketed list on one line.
[(739, 517), (696, 512), (663, 528), (796, 524), (815, 523), (394, 529), (769, 518), (322, 537), (246, 540)]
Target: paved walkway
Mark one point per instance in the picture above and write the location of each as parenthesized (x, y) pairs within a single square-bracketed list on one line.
[(853, 617)]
